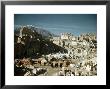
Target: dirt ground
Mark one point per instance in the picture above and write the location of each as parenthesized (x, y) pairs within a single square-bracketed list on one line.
[(51, 71)]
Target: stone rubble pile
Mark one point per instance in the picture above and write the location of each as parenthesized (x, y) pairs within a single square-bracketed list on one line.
[(80, 60)]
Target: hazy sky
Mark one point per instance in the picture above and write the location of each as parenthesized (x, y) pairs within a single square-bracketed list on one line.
[(59, 23)]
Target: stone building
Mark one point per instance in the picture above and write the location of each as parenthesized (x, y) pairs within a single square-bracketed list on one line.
[(65, 36), (56, 40), (21, 35), (19, 40)]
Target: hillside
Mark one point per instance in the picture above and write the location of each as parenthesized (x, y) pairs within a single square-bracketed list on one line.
[(33, 44), (39, 30)]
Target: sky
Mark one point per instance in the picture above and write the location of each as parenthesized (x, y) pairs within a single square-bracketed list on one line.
[(60, 23)]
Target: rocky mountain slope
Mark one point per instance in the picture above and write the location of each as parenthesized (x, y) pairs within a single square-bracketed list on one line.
[(33, 44)]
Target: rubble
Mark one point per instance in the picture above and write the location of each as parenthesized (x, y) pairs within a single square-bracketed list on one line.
[(80, 60)]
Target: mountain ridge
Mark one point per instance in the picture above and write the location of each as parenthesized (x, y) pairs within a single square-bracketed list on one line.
[(40, 30), (32, 44)]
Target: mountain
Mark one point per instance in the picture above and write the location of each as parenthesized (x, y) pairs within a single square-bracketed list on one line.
[(41, 31), (32, 44)]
